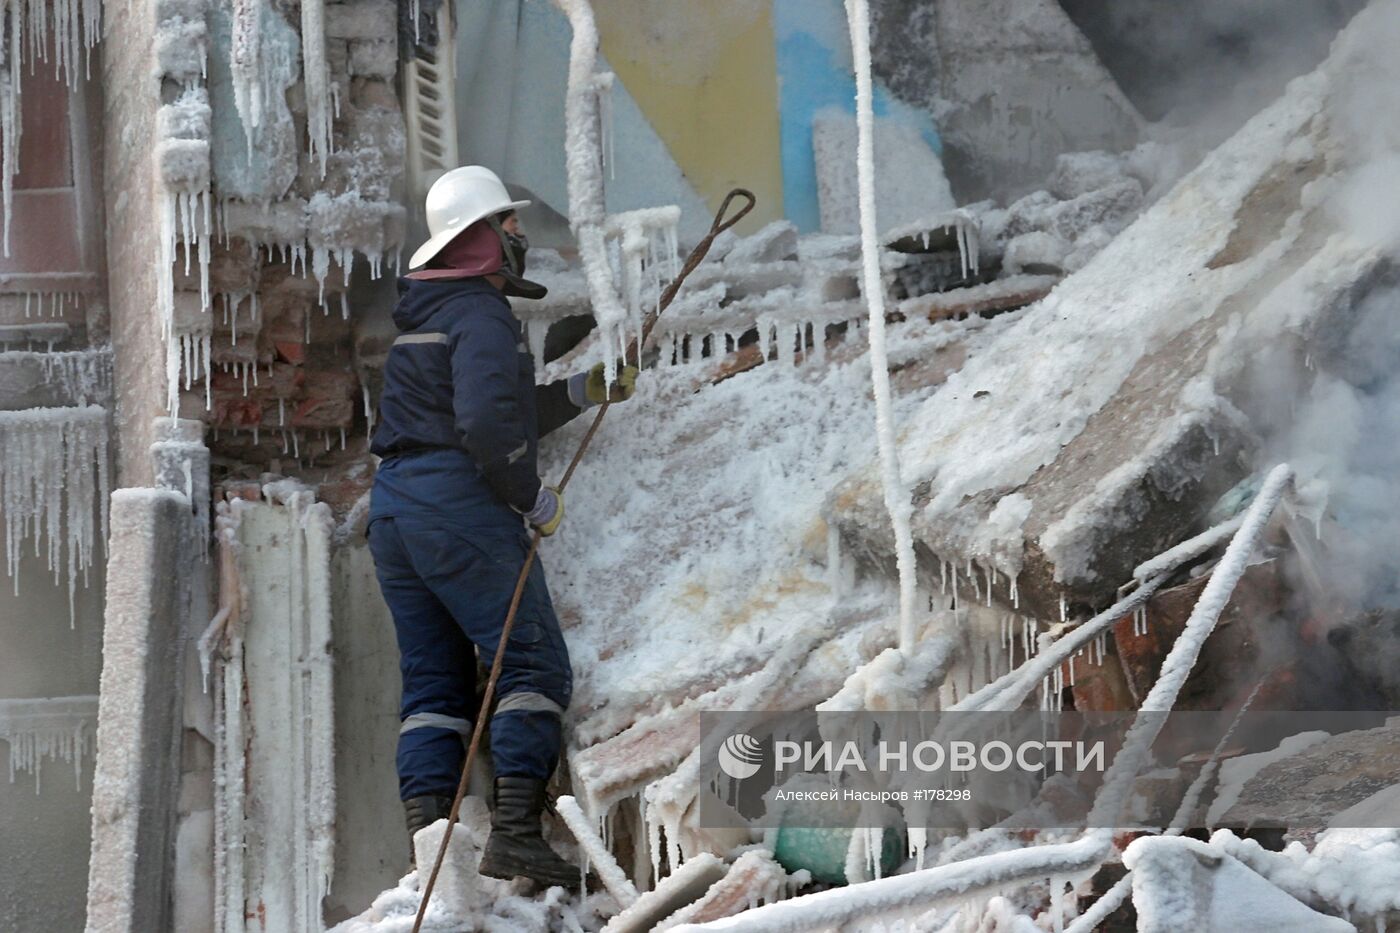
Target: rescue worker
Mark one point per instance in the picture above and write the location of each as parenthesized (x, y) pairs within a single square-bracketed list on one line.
[(460, 420)]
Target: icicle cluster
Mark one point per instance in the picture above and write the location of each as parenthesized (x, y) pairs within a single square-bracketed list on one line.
[(55, 728), (53, 471), (643, 252), (76, 25), (182, 154)]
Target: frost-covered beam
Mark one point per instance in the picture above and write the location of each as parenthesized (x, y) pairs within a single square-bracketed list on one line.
[(138, 724), (48, 727), (921, 890)]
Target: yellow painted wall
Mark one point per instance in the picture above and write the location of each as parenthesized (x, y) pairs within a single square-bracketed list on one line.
[(705, 76)]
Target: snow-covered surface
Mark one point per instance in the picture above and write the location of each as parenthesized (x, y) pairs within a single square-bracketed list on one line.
[(1185, 884)]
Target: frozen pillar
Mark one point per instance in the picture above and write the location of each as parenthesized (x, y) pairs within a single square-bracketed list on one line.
[(139, 715)]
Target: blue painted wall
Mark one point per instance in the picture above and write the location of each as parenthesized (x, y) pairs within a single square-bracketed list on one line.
[(815, 73)]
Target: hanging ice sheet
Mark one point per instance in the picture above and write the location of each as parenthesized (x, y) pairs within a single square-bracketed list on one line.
[(52, 727), (53, 465)]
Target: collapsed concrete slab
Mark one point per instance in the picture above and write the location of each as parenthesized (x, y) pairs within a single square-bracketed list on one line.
[(1100, 428)]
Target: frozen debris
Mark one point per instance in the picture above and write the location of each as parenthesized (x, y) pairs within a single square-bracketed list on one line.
[(54, 487), (1181, 883), (684, 886), (753, 880), (595, 853), (464, 900), (896, 492), (1005, 294), (62, 728), (905, 896), (70, 28)]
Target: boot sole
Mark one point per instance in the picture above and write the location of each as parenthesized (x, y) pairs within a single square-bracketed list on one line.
[(506, 869)]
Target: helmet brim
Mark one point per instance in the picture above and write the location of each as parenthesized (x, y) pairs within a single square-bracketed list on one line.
[(436, 244)]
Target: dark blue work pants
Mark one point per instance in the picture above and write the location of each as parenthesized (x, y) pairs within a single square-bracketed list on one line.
[(449, 591)]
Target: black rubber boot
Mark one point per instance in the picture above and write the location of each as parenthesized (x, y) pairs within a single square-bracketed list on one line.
[(516, 846), (422, 812)]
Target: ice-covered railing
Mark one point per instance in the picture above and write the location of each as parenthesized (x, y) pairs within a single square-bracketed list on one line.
[(54, 728), (916, 892), (38, 29), (54, 487)]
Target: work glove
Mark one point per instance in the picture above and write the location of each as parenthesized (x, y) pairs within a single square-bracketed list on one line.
[(548, 511), (591, 388)]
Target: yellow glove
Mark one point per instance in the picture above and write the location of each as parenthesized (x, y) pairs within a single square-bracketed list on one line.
[(548, 511), (623, 387)]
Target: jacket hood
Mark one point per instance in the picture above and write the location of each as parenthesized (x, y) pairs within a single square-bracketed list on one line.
[(420, 300)]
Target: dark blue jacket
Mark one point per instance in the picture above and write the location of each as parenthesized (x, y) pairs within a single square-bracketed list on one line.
[(460, 416)]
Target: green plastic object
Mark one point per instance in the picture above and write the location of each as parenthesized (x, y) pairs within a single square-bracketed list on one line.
[(816, 838)]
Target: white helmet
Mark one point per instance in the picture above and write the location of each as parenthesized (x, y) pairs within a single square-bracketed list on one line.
[(457, 200)]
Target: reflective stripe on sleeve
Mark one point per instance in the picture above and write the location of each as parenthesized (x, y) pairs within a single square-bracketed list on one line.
[(405, 339)]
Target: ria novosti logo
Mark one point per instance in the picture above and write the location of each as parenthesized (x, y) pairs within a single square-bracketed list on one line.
[(740, 756)]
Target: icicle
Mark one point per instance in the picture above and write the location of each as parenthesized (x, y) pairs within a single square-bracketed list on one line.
[(316, 77)]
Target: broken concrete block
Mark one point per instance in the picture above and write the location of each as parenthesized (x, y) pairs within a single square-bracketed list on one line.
[(1112, 207), (1078, 173), (1035, 253), (374, 58), (909, 179), (362, 19), (776, 242)]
